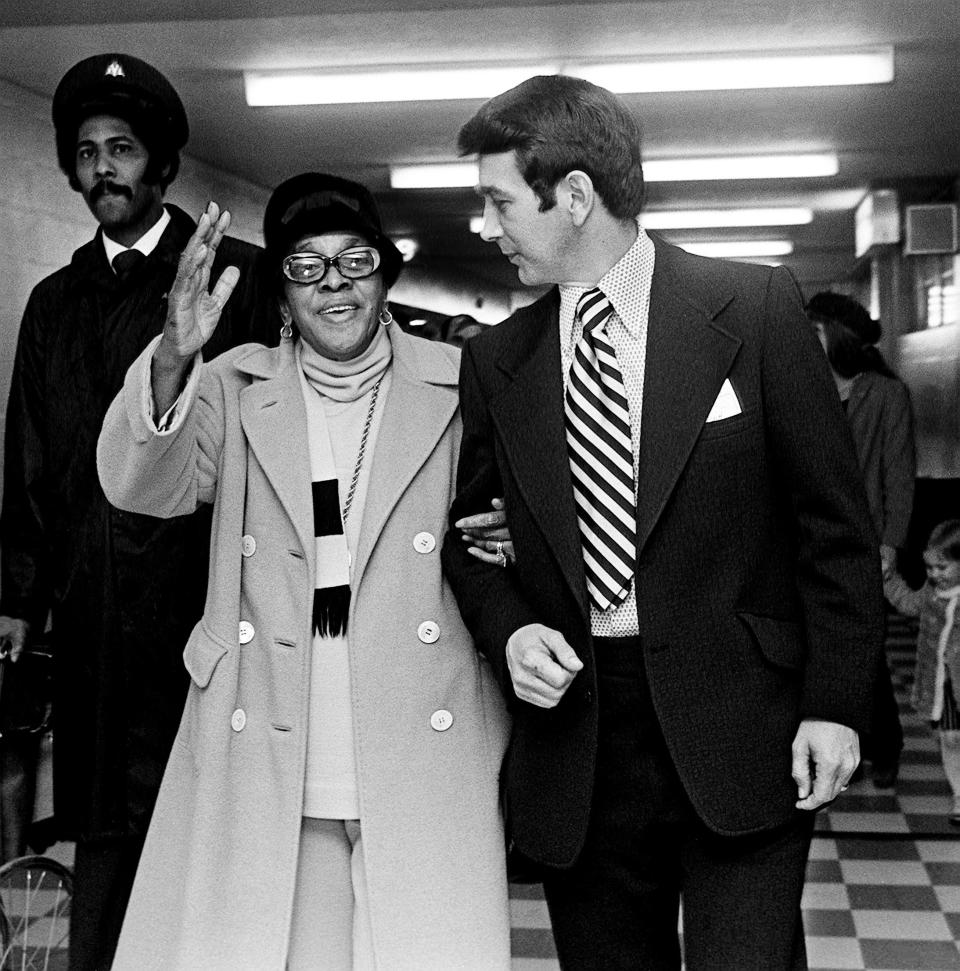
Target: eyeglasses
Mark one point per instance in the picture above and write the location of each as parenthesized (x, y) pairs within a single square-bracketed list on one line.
[(354, 264)]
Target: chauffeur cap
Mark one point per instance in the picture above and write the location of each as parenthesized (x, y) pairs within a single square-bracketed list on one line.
[(124, 86)]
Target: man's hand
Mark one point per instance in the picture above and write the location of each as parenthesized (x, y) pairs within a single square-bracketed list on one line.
[(825, 755), (542, 665), (489, 536), (13, 637)]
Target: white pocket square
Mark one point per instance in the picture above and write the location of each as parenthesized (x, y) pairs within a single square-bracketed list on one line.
[(727, 404)]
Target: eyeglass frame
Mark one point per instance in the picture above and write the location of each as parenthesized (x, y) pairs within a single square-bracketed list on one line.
[(329, 261)]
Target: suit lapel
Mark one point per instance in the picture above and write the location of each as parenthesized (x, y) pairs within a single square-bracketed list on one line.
[(687, 359), (417, 413), (530, 419), (274, 420)]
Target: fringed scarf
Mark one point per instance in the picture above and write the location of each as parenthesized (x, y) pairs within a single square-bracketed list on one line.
[(352, 381)]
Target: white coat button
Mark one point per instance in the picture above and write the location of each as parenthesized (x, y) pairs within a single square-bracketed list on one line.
[(441, 720), (246, 632), (248, 545), (428, 631), (424, 543), (238, 720)]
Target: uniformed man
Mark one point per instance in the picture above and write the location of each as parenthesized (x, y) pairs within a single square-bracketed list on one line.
[(122, 591)]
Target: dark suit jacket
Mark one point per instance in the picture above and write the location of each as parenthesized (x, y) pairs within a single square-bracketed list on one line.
[(757, 578)]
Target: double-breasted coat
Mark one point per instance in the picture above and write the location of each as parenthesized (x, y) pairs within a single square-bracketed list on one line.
[(216, 881)]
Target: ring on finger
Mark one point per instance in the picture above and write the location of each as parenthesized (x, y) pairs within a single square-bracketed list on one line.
[(499, 548), (502, 559)]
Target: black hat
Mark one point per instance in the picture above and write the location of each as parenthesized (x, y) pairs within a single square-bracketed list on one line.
[(314, 203), (828, 305), (121, 85)]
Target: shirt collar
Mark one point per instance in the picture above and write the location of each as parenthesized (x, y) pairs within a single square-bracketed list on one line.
[(146, 244), (620, 282)]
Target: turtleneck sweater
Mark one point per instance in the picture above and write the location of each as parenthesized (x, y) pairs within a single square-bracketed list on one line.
[(344, 389)]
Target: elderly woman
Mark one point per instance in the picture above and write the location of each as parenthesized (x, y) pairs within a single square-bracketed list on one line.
[(331, 801)]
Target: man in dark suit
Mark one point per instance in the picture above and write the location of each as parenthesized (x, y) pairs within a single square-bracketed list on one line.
[(123, 591), (688, 656)]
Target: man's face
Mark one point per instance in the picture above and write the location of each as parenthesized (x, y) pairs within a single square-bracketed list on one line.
[(111, 163), (539, 244)]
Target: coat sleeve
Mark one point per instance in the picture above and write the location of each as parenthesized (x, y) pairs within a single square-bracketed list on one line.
[(476, 584), (816, 469), (168, 473), (26, 573), (899, 466)]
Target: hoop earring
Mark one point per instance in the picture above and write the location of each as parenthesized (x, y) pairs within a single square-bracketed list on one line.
[(286, 331), (386, 318)]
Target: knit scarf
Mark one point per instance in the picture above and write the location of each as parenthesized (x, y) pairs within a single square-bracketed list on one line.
[(351, 381)]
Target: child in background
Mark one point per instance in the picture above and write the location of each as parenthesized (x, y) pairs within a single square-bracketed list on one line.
[(938, 644)]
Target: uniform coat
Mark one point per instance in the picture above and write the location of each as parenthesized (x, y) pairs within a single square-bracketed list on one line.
[(757, 578), (216, 881), (113, 580)]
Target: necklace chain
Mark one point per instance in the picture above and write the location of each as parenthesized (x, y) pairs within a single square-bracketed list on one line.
[(363, 448)]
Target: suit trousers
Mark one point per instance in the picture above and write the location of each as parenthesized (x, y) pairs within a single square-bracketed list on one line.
[(646, 850)]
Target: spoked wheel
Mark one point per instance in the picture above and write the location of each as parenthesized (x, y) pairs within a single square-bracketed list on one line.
[(35, 892)]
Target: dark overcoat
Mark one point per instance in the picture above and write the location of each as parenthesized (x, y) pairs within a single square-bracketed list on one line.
[(124, 589), (757, 575)]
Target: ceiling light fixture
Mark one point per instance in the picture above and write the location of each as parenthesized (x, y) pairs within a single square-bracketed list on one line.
[(721, 218), (267, 88), (806, 166), (872, 65), (746, 248), (445, 175), (743, 71)]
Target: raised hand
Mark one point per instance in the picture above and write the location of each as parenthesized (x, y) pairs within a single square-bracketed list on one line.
[(193, 311)]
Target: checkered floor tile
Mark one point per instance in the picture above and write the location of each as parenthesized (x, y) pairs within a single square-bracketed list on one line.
[(883, 881)]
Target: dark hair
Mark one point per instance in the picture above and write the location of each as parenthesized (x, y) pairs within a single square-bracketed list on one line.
[(851, 334), (945, 539), (556, 124), (160, 155)]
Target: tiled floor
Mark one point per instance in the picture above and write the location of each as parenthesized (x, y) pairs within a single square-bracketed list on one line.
[(883, 882)]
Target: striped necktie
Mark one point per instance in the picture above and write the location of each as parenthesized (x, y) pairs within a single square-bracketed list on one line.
[(601, 456)]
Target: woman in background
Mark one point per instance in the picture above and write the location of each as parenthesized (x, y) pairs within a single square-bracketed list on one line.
[(877, 405)]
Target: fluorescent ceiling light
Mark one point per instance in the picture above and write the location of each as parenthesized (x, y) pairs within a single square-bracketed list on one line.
[(741, 167), (434, 175), (717, 218), (419, 82), (384, 84), (741, 71), (755, 247), (444, 175)]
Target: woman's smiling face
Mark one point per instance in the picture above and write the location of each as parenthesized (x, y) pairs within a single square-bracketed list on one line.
[(337, 316)]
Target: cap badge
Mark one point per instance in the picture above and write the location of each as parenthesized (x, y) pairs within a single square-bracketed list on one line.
[(115, 70)]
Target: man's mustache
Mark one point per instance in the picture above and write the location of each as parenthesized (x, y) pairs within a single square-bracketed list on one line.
[(113, 187)]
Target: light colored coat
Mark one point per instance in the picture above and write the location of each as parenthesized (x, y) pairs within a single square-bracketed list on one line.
[(216, 881)]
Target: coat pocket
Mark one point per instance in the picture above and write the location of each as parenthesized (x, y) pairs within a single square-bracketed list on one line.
[(780, 641), (202, 655)]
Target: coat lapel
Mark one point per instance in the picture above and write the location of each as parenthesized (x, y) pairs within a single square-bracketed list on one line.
[(530, 418), (687, 358), (274, 420), (419, 408)]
